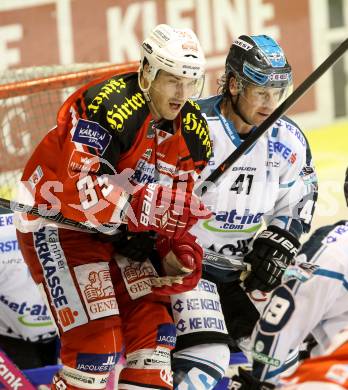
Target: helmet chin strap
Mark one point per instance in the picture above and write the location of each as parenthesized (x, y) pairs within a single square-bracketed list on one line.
[(235, 107), (146, 92)]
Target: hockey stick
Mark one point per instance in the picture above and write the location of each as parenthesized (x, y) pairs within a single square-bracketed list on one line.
[(276, 114), (209, 257), (57, 217), (202, 188), (224, 262), (228, 263)]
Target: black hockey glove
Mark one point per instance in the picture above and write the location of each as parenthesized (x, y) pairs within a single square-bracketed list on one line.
[(245, 381), (136, 246), (273, 250)]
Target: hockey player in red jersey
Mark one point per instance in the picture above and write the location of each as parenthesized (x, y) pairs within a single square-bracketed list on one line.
[(125, 151), (325, 372)]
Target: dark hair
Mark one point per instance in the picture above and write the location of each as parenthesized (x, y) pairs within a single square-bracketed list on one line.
[(223, 84)]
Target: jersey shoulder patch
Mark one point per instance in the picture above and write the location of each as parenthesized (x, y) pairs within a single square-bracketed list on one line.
[(195, 131)]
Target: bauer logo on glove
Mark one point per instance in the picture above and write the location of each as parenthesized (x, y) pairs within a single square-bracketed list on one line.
[(277, 238), (273, 251)]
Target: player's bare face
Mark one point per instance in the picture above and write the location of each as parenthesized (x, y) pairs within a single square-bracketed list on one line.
[(169, 93), (257, 103)]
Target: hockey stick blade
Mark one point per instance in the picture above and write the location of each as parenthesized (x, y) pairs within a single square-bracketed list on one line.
[(219, 260), (299, 269), (276, 114), (57, 217)]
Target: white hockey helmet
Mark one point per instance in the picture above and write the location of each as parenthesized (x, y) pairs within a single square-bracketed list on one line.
[(176, 51)]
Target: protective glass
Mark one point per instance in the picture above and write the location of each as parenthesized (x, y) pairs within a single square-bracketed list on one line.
[(175, 87), (264, 96)]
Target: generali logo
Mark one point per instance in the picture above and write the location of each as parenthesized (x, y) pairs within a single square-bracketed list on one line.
[(97, 290), (136, 272), (137, 276), (99, 287)]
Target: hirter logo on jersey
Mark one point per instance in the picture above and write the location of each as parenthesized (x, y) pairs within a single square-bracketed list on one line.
[(91, 134)]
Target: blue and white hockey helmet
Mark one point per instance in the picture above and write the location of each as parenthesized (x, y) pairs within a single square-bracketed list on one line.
[(259, 60)]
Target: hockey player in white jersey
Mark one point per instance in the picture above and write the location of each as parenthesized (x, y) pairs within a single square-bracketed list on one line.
[(273, 183), (27, 333), (312, 300)]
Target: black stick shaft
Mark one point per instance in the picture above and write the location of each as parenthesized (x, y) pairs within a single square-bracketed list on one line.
[(55, 216), (276, 114)]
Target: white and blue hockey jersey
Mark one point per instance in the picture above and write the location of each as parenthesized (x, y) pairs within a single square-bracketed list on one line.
[(23, 312), (313, 299), (274, 181)]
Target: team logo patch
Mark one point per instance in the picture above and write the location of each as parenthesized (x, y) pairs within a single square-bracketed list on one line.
[(147, 154), (82, 162), (98, 292), (162, 136), (91, 134), (308, 175)]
